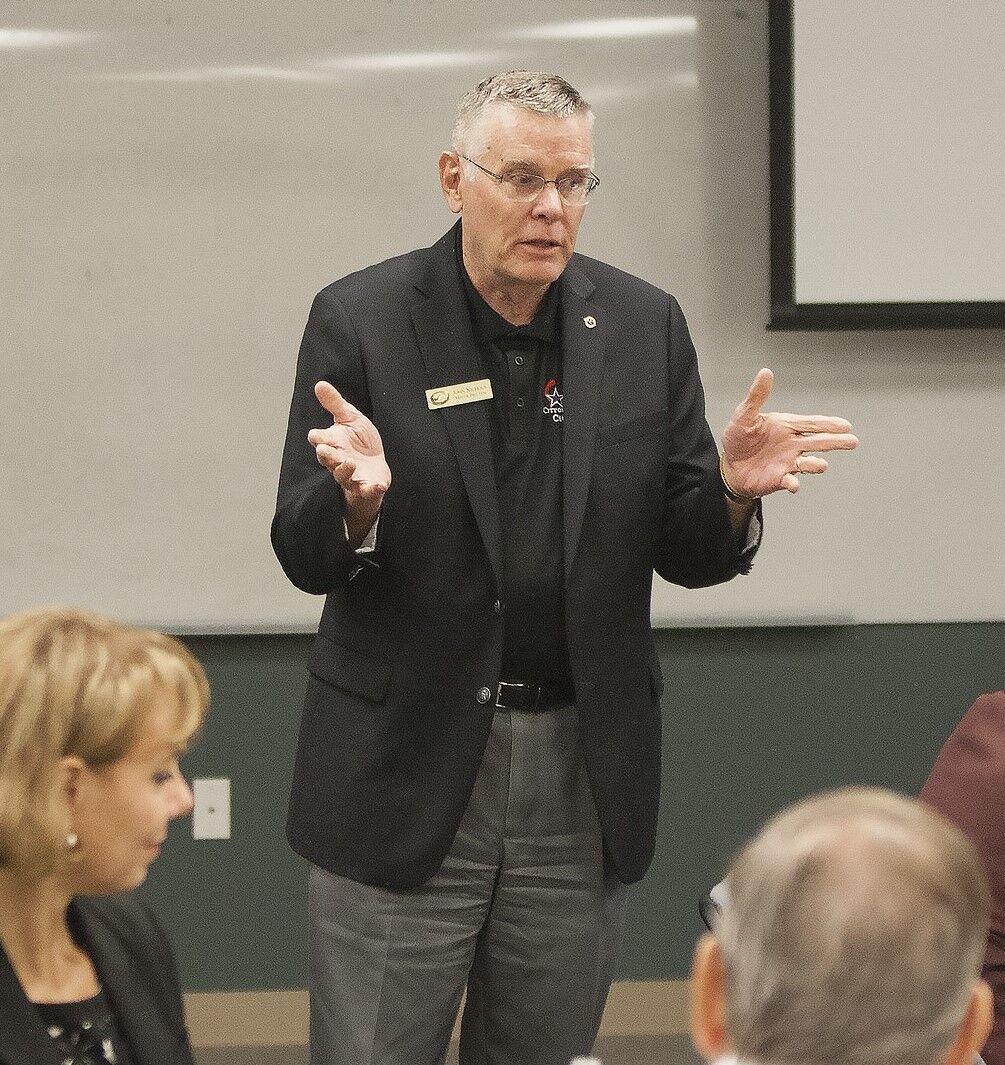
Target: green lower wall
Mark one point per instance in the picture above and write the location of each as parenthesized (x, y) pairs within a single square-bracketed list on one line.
[(754, 718)]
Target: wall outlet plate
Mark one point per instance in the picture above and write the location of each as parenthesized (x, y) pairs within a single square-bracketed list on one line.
[(211, 813)]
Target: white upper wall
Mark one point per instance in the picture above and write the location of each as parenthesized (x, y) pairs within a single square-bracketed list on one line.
[(179, 179)]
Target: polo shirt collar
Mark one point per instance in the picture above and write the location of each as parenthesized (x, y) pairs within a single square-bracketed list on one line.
[(488, 325)]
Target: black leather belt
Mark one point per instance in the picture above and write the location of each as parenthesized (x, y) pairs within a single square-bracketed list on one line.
[(515, 695)]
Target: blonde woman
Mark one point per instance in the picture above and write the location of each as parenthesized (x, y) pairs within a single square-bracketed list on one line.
[(93, 717)]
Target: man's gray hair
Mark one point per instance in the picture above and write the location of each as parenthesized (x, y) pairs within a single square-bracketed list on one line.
[(852, 933), (548, 94)]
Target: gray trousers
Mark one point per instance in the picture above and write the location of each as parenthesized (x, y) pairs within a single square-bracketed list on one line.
[(522, 912)]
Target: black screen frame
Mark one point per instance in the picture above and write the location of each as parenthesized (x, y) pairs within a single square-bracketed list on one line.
[(786, 313)]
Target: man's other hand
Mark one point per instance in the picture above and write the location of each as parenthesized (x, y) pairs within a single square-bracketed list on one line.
[(352, 451), (763, 453)]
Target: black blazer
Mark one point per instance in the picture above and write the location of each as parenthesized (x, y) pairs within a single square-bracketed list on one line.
[(137, 971), (394, 722)]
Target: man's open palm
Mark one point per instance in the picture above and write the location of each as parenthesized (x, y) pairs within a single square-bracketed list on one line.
[(351, 449)]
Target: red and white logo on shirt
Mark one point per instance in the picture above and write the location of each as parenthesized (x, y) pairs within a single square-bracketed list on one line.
[(553, 400)]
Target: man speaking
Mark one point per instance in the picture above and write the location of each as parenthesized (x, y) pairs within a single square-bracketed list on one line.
[(493, 443)]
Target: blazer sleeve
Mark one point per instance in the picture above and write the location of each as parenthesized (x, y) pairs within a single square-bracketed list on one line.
[(308, 530), (697, 546)]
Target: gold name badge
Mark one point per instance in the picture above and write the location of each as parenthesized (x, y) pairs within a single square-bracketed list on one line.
[(452, 395)]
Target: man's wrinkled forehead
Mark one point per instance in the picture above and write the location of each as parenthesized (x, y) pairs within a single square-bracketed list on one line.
[(511, 132)]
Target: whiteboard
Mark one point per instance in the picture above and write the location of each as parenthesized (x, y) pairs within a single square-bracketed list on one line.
[(179, 179)]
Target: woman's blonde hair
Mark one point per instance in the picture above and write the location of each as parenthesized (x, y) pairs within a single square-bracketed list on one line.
[(76, 683)]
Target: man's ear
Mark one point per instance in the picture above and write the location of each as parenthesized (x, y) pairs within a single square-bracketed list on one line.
[(708, 1000), (450, 180), (976, 1026)]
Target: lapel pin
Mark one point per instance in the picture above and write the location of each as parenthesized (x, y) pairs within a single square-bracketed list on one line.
[(590, 322)]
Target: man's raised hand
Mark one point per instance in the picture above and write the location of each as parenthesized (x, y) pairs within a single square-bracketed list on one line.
[(352, 451), (763, 453)]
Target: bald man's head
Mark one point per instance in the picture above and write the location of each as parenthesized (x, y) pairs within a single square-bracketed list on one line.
[(852, 935)]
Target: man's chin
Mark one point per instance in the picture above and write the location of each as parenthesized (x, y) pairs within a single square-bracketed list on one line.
[(543, 272)]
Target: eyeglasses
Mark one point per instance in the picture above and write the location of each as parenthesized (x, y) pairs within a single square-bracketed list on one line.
[(524, 185)]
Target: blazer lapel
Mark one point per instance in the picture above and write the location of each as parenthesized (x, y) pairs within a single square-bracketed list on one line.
[(442, 324), (137, 1015), (23, 1038), (584, 333)]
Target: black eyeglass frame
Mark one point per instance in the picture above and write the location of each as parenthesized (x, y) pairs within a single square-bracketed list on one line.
[(592, 183)]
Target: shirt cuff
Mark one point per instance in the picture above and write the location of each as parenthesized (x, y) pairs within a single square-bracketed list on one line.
[(369, 544), (753, 534)]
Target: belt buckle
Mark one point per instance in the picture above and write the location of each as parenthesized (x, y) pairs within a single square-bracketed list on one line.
[(531, 695), (503, 686)]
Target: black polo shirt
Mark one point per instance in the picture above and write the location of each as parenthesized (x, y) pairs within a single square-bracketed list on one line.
[(524, 364)]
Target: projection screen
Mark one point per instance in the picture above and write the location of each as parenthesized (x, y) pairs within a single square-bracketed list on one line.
[(888, 150)]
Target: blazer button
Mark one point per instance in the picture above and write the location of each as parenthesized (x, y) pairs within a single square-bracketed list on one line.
[(497, 606), (483, 696)]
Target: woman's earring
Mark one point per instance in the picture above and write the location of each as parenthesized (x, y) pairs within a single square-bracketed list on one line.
[(71, 841)]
